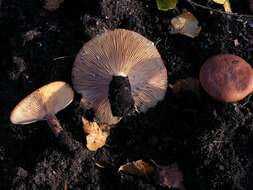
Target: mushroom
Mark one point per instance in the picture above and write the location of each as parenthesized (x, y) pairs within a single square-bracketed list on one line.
[(226, 77), (43, 104), (117, 72)]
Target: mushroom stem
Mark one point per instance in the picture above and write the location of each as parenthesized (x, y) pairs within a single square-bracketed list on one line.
[(120, 96), (54, 124)]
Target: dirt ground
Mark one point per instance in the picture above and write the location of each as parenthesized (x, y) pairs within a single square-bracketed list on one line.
[(212, 142)]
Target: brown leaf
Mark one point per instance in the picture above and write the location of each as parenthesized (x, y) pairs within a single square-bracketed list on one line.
[(225, 3), (96, 135), (186, 24), (137, 168), (169, 176), (187, 84)]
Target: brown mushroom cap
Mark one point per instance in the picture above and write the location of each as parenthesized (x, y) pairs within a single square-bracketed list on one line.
[(119, 53), (226, 77), (46, 100)]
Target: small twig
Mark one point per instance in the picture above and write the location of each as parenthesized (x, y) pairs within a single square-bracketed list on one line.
[(62, 57), (218, 11)]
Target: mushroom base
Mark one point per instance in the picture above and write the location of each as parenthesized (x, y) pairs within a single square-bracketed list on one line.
[(120, 96)]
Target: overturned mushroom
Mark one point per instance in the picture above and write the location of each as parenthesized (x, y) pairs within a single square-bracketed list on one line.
[(43, 104), (118, 71), (226, 77)]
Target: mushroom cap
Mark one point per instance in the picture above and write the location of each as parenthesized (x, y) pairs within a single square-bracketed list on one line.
[(48, 99), (119, 52), (226, 77)]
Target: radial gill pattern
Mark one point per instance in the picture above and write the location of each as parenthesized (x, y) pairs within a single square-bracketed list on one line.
[(48, 99), (119, 52)]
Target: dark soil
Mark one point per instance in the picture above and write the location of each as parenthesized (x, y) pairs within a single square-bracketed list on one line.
[(211, 142)]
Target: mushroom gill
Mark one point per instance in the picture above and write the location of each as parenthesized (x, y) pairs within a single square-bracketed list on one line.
[(43, 104), (117, 71)]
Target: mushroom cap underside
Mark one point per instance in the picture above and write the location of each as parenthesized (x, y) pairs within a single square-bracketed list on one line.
[(48, 99), (119, 52)]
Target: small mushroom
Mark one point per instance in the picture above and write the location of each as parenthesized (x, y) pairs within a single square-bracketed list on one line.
[(226, 77), (117, 72), (43, 104)]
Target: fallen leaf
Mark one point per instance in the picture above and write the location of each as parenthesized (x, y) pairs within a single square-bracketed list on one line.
[(227, 7), (186, 24), (169, 176), (96, 135), (137, 168), (225, 3), (221, 2), (187, 84), (165, 5), (52, 5)]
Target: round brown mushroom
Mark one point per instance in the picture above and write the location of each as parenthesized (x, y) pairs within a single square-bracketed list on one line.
[(43, 104), (226, 77), (117, 72)]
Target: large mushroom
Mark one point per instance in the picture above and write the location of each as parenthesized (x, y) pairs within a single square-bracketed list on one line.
[(117, 72), (226, 77), (43, 104)]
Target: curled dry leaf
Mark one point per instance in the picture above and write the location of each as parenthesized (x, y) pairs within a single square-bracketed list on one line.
[(169, 176), (52, 5), (96, 135), (187, 84), (138, 168), (186, 24), (227, 6), (225, 3)]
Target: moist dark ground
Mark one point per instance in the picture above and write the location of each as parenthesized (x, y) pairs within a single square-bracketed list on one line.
[(211, 142)]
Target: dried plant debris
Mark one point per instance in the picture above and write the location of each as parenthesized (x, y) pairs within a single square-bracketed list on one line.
[(31, 35), (96, 135), (219, 1), (169, 176), (187, 84), (225, 3), (52, 5), (227, 7), (186, 24), (165, 5), (137, 168)]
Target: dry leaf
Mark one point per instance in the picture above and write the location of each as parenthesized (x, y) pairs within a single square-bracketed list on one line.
[(96, 135), (227, 7), (138, 168), (225, 3), (187, 84), (52, 5), (221, 2), (186, 24), (169, 176)]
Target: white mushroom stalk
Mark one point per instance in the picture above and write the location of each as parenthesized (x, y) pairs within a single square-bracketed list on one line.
[(119, 70), (43, 104)]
